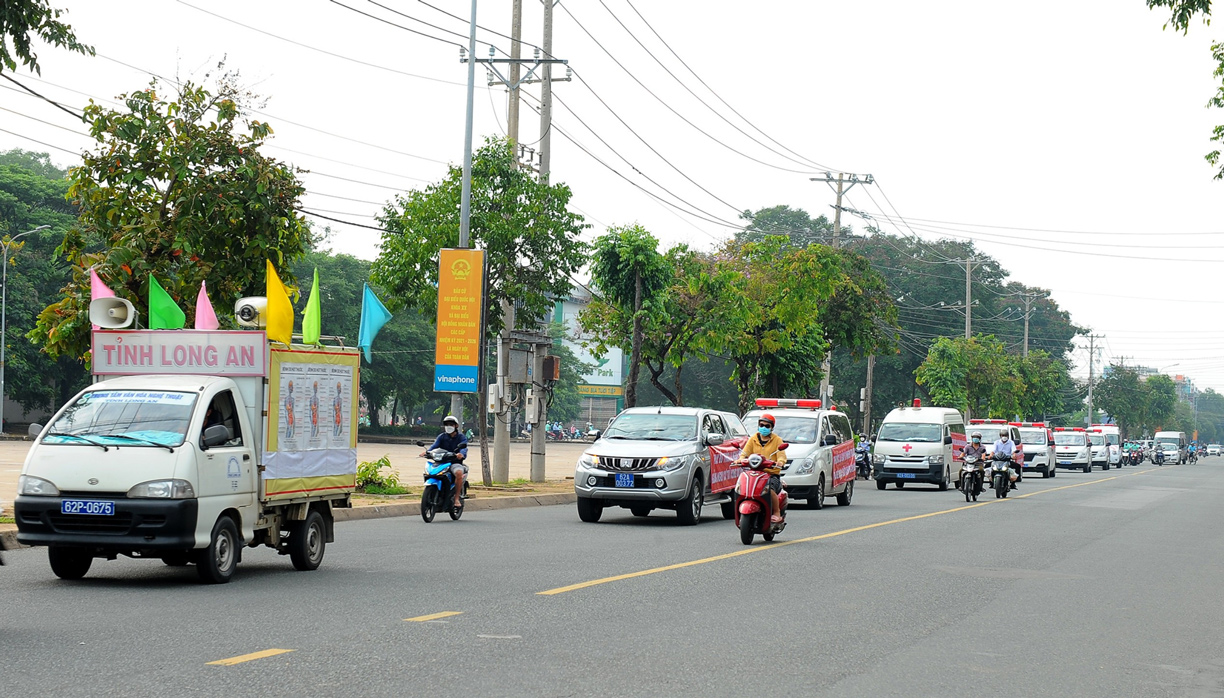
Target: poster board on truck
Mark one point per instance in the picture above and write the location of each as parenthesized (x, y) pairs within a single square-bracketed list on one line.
[(311, 439)]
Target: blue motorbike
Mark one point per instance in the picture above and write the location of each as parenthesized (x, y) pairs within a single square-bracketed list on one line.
[(439, 486)]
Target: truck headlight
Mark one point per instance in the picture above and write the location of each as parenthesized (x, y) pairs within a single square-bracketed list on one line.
[(669, 463), (162, 489), (589, 461), (877, 459), (935, 460), (804, 466), (28, 484)]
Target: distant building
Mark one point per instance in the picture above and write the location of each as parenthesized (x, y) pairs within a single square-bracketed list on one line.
[(603, 386)]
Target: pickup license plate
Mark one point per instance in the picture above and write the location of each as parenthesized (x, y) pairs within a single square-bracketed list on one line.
[(87, 506), (906, 476), (1064, 462), (624, 480)]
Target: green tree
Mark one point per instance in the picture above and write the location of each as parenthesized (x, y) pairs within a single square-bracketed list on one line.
[(177, 189), (1161, 399), (22, 20), (1181, 14), (32, 194), (1123, 396), (795, 224), (529, 236), (974, 376), (628, 269)]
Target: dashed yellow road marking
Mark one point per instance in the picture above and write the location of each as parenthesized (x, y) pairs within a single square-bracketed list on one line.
[(434, 616), (247, 657), (823, 536)]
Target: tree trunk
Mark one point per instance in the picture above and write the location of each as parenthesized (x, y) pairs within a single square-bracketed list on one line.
[(635, 353), (679, 387), (394, 407), (654, 380), (744, 376)]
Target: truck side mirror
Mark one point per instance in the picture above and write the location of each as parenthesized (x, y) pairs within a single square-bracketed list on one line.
[(215, 435), (35, 430), (714, 439), (948, 440), (829, 440)]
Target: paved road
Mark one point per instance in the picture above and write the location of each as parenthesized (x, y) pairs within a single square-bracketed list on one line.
[(1105, 584)]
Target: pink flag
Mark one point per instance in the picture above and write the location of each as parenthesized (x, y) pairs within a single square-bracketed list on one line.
[(97, 289), (206, 319)]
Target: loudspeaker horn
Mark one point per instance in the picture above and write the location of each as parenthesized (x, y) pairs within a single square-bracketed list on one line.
[(111, 313), (252, 311)]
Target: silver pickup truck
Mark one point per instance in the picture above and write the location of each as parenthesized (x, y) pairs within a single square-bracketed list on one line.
[(655, 458)]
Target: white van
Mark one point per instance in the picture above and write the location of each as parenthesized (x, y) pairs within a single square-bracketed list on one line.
[(1038, 443), (817, 438), (1174, 444), (1113, 435), (918, 444)]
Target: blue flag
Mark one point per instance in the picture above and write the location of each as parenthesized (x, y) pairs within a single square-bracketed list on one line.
[(373, 316)]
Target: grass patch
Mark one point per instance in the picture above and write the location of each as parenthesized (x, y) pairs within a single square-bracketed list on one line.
[(7, 519)]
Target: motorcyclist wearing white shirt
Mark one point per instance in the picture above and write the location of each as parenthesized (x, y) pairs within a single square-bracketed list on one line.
[(1004, 446)]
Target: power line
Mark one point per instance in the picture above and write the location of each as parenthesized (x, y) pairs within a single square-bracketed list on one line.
[(59, 106), (44, 144), (398, 26)]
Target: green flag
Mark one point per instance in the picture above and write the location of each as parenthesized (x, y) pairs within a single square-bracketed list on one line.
[(164, 314), (312, 316)]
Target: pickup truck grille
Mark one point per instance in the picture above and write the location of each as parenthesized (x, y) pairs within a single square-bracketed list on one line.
[(628, 464)]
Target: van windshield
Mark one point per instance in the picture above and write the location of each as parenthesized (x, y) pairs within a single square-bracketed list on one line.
[(1096, 439), (1032, 437), (907, 431), (1169, 440), (796, 430), (1072, 439), (989, 434), (649, 426), (124, 418), (1113, 438)]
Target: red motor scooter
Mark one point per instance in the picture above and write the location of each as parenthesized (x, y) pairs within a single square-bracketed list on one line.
[(753, 505)]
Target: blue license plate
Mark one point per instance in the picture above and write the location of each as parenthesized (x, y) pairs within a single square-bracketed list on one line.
[(907, 476), (624, 480), (88, 507), (1064, 462)]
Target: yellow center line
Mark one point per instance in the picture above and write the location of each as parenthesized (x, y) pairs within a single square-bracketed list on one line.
[(434, 616), (247, 657), (823, 536)]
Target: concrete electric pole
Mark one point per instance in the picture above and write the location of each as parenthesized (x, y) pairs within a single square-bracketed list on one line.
[(1091, 360)]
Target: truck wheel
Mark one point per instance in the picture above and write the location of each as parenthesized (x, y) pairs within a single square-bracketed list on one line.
[(843, 499), (728, 510), (688, 510), (69, 563), (308, 542), (429, 503), (215, 564), (816, 501), (640, 510), (1105, 466), (589, 510), (1045, 473), (880, 484), (1052, 471)]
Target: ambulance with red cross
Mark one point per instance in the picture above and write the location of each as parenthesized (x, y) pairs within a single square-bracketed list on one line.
[(919, 444), (820, 458)]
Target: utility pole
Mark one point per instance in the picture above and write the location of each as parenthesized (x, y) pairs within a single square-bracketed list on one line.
[(1091, 358), (465, 200), (845, 182), (546, 96), (969, 297), (516, 52), (870, 382)]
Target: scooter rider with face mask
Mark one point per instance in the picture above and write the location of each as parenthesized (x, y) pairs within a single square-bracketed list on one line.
[(1005, 447), (451, 439), (974, 448), (768, 444)]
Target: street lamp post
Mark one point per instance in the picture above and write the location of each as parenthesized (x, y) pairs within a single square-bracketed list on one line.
[(4, 312)]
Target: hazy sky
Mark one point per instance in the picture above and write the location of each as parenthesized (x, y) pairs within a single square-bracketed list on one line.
[(1065, 137)]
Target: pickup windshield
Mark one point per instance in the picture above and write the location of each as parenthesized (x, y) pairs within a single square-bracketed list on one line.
[(907, 431), (140, 419), (645, 426)]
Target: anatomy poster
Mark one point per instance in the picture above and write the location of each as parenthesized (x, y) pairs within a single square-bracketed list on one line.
[(311, 440)]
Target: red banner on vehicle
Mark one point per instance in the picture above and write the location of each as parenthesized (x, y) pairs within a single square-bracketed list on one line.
[(723, 470), (958, 447), (843, 463)]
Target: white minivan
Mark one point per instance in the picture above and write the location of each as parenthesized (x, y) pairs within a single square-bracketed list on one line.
[(918, 444), (1113, 436), (813, 434), (1174, 444)]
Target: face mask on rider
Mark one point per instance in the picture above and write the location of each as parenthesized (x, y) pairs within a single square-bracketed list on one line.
[(977, 440), (448, 429), (764, 431)]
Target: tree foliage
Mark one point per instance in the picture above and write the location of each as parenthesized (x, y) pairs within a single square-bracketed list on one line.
[(529, 236), (980, 378), (175, 188), (23, 20)]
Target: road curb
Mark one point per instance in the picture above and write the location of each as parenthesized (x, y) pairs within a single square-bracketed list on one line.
[(386, 511), (8, 539)]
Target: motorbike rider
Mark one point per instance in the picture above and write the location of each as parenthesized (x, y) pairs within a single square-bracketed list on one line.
[(1004, 446), (973, 448), (453, 440), (768, 445)]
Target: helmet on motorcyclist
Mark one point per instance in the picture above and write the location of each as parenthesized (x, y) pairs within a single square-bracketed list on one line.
[(765, 425), (450, 424), (977, 437)]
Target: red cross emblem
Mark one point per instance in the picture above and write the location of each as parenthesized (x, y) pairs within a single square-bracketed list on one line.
[(907, 448)]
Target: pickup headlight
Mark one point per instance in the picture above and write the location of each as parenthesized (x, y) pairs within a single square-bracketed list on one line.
[(28, 484), (935, 460), (162, 489), (589, 461), (804, 466), (669, 463), (877, 459)]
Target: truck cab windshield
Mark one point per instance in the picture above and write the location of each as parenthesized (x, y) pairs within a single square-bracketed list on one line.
[(907, 431), (139, 419), (650, 426)]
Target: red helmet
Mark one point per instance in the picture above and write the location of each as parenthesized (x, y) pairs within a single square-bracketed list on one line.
[(767, 417)]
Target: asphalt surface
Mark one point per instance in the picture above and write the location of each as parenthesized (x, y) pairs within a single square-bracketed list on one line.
[(1105, 584)]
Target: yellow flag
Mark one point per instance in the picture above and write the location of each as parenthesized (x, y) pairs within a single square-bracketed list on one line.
[(280, 310)]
